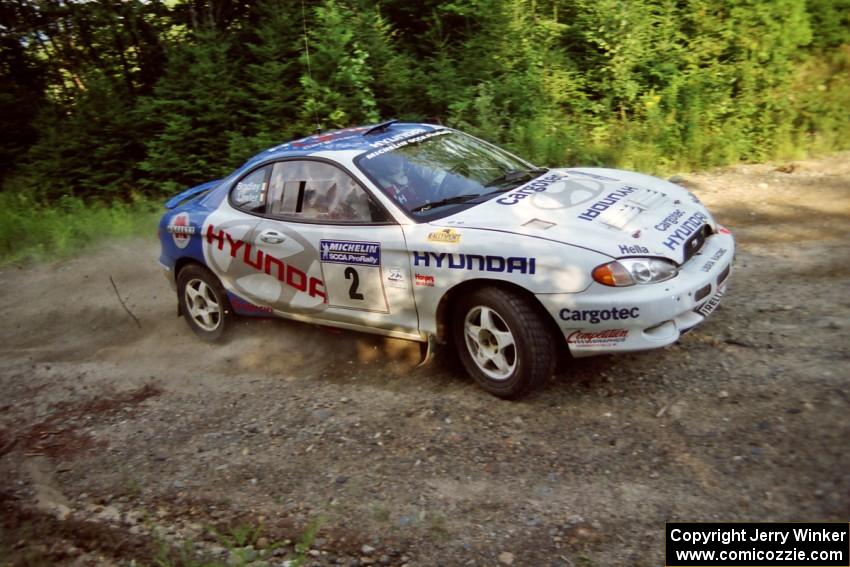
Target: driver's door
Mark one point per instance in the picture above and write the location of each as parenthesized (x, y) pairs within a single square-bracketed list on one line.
[(317, 212)]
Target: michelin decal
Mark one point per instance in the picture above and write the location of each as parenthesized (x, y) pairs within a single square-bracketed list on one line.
[(351, 252)]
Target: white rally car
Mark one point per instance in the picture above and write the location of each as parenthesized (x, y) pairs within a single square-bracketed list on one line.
[(425, 233)]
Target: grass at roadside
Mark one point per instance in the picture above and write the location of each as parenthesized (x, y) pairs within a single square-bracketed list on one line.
[(33, 231)]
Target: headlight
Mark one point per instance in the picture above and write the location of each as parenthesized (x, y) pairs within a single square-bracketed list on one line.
[(631, 271)]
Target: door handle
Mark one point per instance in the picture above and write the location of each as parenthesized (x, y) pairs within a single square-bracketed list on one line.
[(272, 237)]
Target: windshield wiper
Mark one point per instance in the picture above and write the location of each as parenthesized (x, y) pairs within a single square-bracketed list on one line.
[(442, 202), (517, 175)]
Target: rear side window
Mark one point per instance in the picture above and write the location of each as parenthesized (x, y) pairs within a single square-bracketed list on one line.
[(317, 191), (249, 194)]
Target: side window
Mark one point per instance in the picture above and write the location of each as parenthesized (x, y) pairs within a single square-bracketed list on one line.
[(316, 191), (249, 194)]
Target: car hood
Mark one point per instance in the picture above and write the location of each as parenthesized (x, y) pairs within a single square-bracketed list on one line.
[(618, 213)]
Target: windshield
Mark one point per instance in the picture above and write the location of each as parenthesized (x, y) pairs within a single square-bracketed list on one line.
[(431, 175)]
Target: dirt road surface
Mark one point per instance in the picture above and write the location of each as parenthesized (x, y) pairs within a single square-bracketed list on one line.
[(121, 443)]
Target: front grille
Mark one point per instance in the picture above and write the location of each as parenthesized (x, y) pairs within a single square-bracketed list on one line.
[(702, 292), (695, 242)]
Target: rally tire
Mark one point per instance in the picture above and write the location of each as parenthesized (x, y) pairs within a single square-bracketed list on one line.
[(204, 303), (503, 341)]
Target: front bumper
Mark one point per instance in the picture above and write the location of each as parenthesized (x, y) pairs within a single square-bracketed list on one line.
[(604, 319)]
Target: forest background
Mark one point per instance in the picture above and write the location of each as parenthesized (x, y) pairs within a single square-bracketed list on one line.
[(109, 106)]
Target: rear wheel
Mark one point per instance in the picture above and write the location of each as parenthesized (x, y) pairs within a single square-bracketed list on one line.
[(203, 302), (503, 341)]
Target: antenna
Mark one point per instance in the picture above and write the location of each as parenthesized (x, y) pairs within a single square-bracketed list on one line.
[(309, 70)]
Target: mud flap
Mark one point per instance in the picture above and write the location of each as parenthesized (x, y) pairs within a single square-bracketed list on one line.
[(427, 350)]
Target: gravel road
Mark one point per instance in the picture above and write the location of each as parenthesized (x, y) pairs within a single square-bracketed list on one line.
[(120, 442)]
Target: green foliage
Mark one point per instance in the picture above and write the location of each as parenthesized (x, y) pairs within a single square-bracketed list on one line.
[(32, 230), (337, 84), (102, 100), (193, 112), (240, 536), (830, 21), (306, 541), (88, 150)]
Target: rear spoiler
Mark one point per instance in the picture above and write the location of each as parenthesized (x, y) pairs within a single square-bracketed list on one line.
[(190, 193)]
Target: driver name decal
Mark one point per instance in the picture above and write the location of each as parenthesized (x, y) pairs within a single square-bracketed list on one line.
[(351, 252), (263, 262)]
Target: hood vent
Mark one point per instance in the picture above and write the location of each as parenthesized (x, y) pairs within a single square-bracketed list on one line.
[(621, 215)]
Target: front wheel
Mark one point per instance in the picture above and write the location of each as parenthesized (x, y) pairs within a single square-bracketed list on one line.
[(503, 341), (203, 302)]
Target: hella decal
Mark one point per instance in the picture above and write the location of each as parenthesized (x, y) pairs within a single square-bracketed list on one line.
[(598, 338), (286, 273), (180, 229), (597, 315), (512, 264), (603, 204), (633, 249), (687, 228), (349, 252), (534, 187)]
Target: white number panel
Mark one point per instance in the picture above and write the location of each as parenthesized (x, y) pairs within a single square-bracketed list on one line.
[(352, 274)]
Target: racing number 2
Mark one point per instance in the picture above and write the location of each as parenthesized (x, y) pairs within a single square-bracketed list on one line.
[(351, 274)]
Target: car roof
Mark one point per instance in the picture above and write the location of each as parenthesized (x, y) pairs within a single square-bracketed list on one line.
[(362, 138)]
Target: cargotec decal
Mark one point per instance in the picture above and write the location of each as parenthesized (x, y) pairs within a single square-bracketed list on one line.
[(598, 338), (535, 186), (670, 220), (351, 252), (687, 228), (286, 273), (511, 264), (596, 315)]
